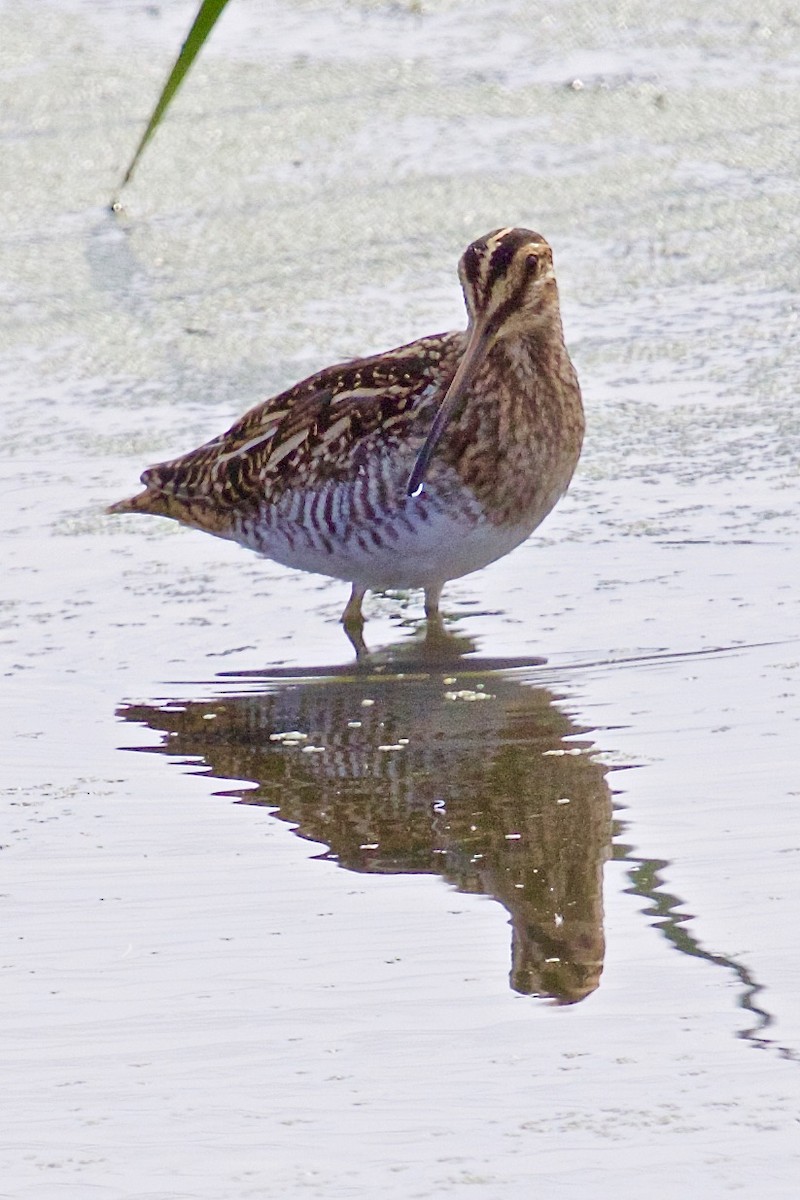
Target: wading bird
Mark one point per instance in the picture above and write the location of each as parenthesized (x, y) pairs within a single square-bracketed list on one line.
[(408, 468)]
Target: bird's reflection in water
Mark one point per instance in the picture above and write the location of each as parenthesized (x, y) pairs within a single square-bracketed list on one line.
[(471, 774)]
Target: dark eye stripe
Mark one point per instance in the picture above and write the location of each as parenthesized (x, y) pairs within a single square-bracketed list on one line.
[(505, 253)]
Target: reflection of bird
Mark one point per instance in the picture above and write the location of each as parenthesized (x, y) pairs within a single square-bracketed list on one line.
[(465, 776), (411, 467)]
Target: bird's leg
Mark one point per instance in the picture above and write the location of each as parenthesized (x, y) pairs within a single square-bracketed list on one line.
[(353, 620), (432, 595), (432, 614)]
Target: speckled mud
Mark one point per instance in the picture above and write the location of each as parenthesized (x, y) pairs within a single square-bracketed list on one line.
[(520, 920)]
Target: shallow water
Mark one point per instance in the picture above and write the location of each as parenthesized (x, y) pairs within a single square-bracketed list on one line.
[(522, 918)]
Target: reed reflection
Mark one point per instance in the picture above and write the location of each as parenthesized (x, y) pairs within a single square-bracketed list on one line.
[(468, 776)]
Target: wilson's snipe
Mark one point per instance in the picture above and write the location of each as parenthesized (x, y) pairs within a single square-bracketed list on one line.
[(407, 468)]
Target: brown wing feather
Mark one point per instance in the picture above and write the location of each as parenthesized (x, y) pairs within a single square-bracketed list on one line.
[(316, 430)]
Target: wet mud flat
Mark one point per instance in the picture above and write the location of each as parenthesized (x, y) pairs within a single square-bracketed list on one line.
[(520, 918)]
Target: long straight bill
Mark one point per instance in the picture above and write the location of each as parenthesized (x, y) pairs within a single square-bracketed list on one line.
[(476, 349)]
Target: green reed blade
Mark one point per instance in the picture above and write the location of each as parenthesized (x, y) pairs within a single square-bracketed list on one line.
[(204, 22)]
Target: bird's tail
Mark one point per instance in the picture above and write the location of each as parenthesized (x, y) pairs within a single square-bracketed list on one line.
[(156, 504), (194, 512)]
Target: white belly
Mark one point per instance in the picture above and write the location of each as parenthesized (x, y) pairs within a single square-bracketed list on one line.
[(403, 549)]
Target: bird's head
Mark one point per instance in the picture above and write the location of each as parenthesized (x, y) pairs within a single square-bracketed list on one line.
[(510, 291), (509, 284)]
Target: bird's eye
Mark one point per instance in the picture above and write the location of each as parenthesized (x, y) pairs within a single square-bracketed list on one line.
[(533, 265)]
